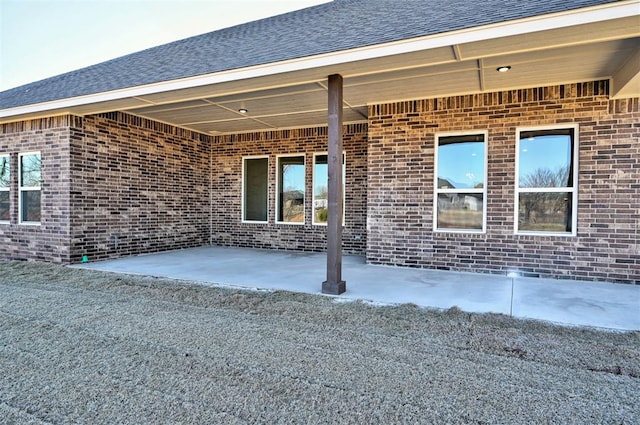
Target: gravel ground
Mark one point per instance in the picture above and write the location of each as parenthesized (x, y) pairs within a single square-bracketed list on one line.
[(87, 347)]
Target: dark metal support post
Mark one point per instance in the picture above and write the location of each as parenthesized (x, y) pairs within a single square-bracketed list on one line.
[(334, 283)]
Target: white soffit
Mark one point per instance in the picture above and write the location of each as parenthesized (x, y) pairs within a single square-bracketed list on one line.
[(626, 80)]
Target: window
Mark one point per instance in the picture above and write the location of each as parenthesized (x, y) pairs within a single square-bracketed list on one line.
[(5, 185), (30, 179), (291, 175), (255, 190), (321, 186), (545, 181), (460, 183)]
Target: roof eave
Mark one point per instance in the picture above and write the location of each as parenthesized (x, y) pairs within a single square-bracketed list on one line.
[(600, 13)]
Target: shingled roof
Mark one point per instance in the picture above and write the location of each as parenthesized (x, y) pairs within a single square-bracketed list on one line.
[(336, 26)]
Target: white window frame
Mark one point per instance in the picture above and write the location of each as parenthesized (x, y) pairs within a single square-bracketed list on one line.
[(313, 188), (7, 189), (304, 204), (483, 190), (22, 189), (573, 190), (242, 217)]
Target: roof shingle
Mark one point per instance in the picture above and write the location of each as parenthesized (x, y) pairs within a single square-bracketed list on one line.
[(336, 26)]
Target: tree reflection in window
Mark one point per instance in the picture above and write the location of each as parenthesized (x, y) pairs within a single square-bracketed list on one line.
[(30, 194), (30, 171), (321, 188), (291, 193), (545, 186), (5, 184)]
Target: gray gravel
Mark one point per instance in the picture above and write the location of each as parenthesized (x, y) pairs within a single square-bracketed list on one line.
[(86, 347)]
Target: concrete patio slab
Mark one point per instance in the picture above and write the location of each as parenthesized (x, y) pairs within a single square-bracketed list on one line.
[(602, 305)]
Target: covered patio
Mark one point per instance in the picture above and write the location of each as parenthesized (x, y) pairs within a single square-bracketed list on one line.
[(169, 148), (576, 303)]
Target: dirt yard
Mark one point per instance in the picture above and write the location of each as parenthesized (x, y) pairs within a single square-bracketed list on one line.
[(85, 347)]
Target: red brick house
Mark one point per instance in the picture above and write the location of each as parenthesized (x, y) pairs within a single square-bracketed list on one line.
[(480, 136)]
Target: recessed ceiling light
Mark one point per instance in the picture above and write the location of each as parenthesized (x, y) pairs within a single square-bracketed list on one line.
[(243, 110), (503, 68)]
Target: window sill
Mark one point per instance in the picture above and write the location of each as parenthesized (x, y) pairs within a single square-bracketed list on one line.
[(459, 231), (555, 234)]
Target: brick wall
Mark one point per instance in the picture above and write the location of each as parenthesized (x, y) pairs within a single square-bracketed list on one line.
[(400, 185), (137, 186), (115, 184), (50, 240), (227, 228)]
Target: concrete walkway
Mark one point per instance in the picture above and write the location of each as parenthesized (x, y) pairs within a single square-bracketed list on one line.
[(602, 305)]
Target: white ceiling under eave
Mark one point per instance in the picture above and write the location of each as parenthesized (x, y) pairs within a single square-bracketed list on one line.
[(626, 80), (606, 49)]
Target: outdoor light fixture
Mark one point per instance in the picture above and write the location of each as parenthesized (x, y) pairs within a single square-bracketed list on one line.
[(243, 110), (503, 68)]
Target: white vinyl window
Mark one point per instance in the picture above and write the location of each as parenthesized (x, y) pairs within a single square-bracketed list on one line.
[(5, 187), (30, 178), (321, 188), (546, 181), (255, 189), (290, 182), (460, 183)]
